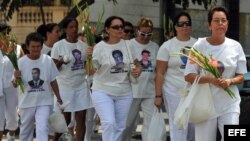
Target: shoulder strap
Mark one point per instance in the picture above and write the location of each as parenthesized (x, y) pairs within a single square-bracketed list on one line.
[(129, 53)]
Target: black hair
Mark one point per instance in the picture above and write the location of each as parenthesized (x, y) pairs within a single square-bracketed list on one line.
[(216, 9), (34, 36), (117, 52), (5, 28), (127, 23), (77, 51), (108, 23), (65, 24), (109, 20), (145, 51), (43, 29), (37, 69), (177, 17)]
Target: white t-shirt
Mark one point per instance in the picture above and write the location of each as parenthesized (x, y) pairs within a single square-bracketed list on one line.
[(112, 64), (72, 75), (9, 68), (174, 76), (8, 72), (146, 55), (46, 49), (37, 93), (231, 61)]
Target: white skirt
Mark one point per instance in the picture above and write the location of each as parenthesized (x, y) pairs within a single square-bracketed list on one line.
[(78, 100)]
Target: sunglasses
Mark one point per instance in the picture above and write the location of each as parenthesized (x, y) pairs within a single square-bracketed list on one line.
[(128, 31), (182, 24), (145, 34), (117, 27)]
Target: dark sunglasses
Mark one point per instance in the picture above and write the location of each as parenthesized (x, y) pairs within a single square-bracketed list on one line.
[(145, 34), (117, 27), (181, 24), (128, 31)]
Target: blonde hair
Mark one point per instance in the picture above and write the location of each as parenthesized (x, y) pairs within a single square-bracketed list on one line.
[(145, 22)]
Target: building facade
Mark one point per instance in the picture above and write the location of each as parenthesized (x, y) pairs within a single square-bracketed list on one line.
[(28, 18)]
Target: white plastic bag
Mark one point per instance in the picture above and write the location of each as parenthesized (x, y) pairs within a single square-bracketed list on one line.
[(57, 123), (202, 104), (157, 128), (195, 106)]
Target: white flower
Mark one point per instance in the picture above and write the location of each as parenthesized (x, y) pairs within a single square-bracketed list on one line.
[(66, 59)]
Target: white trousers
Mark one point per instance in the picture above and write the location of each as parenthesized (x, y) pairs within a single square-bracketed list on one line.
[(8, 109), (171, 101), (207, 131), (147, 107), (113, 112), (11, 102), (31, 117)]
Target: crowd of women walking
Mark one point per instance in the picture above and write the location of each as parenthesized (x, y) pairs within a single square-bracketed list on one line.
[(130, 72)]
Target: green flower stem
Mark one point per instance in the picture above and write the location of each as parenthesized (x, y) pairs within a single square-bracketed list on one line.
[(19, 83)]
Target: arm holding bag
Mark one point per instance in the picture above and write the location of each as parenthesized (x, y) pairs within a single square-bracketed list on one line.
[(157, 128), (202, 104), (196, 105)]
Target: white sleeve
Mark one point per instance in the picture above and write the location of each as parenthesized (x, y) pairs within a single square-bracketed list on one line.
[(241, 63), (55, 50), (96, 57), (54, 71), (163, 53)]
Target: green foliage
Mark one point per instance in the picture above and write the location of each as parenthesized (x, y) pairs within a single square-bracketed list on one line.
[(205, 2), (9, 7)]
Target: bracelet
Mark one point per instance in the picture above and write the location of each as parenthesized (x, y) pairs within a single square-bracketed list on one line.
[(158, 96), (59, 101)]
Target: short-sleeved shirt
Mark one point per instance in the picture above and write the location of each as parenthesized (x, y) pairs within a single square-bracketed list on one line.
[(231, 60), (174, 76), (37, 93), (112, 64), (146, 55), (72, 75), (46, 49)]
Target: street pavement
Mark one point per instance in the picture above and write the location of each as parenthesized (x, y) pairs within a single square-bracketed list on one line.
[(97, 136)]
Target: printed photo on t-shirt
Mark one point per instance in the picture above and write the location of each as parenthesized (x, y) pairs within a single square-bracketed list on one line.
[(220, 66), (184, 59), (145, 62), (119, 66), (36, 84), (78, 64)]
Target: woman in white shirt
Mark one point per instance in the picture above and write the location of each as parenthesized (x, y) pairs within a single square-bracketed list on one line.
[(170, 73), (35, 103), (10, 93), (51, 34), (230, 57), (145, 50), (111, 90), (69, 55)]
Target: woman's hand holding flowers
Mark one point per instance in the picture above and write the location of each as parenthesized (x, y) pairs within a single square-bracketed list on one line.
[(220, 82), (89, 50), (17, 74)]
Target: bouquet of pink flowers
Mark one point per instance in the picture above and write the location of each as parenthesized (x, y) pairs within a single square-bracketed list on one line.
[(209, 64), (8, 47)]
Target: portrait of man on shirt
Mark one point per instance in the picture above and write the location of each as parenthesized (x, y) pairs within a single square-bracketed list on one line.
[(36, 82)]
